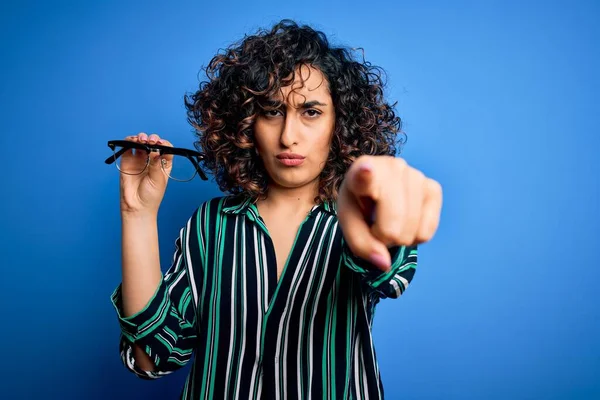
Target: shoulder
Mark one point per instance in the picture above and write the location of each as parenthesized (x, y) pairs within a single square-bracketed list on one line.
[(212, 208)]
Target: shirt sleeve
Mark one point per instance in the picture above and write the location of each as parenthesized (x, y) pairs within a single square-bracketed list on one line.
[(166, 327), (385, 284)]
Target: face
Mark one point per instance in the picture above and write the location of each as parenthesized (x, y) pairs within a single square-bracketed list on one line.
[(293, 140)]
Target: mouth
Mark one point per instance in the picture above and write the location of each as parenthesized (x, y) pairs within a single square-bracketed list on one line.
[(290, 159)]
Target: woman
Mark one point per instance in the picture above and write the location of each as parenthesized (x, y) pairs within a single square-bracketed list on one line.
[(273, 287)]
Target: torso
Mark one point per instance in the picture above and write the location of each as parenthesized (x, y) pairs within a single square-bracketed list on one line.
[(295, 334)]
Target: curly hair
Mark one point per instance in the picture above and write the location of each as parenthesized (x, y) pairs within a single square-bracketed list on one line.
[(245, 76)]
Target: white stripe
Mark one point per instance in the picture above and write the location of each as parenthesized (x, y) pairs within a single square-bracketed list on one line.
[(356, 367), (172, 285), (329, 341), (396, 287), (184, 355), (201, 298), (233, 269), (189, 264), (243, 292), (171, 336), (163, 310), (364, 377), (403, 280), (258, 330), (374, 361), (264, 267)]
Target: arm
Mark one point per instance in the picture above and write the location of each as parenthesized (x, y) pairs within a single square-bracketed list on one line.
[(385, 209), (141, 271), (156, 313)]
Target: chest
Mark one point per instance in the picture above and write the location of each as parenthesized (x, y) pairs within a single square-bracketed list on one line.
[(261, 273), (282, 232), (255, 267)]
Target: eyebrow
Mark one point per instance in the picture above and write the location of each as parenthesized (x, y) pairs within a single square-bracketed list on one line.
[(305, 105)]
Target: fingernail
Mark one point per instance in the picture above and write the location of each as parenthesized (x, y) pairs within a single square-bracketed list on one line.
[(365, 167), (379, 261), (160, 141)]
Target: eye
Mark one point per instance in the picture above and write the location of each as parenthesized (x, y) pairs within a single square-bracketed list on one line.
[(272, 113), (312, 113)]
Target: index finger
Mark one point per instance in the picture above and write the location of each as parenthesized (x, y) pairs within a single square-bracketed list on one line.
[(361, 179), (358, 235)]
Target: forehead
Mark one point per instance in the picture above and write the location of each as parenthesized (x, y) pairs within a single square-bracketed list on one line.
[(309, 84)]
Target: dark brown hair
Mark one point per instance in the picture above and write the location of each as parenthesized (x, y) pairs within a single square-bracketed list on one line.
[(243, 78)]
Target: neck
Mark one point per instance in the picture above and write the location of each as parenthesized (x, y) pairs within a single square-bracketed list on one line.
[(290, 201)]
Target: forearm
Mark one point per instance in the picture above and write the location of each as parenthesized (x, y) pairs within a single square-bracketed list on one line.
[(140, 269), (140, 261)]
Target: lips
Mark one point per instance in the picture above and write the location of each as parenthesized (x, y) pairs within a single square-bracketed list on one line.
[(290, 156), (290, 159)]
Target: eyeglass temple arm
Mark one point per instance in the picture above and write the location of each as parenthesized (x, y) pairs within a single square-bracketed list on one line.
[(200, 172), (114, 157)]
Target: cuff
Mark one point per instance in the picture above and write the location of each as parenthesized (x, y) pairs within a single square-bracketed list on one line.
[(372, 275), (141, 323)]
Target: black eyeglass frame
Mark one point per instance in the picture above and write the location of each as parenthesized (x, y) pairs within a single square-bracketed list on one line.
[(192, 155)]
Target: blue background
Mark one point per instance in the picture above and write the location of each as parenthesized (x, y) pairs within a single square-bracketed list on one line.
[(500, 103)]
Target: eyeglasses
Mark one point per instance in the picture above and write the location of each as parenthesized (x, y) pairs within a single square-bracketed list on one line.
[(133, 158)]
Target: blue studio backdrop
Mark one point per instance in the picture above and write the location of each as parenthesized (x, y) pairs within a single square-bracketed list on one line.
[(500, 104)]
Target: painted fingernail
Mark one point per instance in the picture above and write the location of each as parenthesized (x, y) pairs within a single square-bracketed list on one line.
[(379, 261), (365, 167)]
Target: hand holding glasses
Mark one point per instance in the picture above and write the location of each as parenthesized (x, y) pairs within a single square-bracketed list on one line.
[(146, 167), (133, 158)]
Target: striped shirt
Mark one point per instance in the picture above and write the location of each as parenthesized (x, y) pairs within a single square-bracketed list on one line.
[(306, 335)]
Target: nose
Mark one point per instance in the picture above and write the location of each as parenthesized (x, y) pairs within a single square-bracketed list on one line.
[(289, 134)]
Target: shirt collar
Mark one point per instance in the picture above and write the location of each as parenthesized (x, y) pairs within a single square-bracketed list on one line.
[(330, 207), (240, 204), (236, 204)]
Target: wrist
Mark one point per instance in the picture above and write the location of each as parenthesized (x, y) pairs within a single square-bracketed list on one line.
[(139, 216)]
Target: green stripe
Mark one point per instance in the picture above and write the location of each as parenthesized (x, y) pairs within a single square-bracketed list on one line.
[(210, 328), (333, 332), (148, 326), (242, 249), (326, 376), (349, 330), (185, 300), (221, 228)]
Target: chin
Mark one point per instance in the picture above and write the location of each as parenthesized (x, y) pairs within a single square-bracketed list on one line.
[(292, 182)]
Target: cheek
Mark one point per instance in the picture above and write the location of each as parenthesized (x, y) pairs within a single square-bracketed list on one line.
[(259, 141), (324, 144)]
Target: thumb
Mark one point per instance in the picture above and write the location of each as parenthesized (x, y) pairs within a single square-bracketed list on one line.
[(155, 168)]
